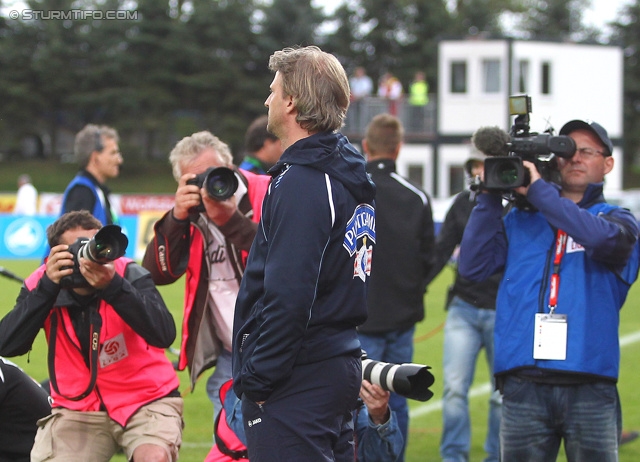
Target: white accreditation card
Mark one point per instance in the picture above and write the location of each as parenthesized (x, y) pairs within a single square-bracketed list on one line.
[(550, 336)]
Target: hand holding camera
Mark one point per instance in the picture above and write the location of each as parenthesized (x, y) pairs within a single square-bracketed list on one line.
[(60, 263), (87, 262), (211, 192), (531, 173), (377, 401)]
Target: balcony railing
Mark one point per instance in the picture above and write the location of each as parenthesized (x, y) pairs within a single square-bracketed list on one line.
[(418, 121)]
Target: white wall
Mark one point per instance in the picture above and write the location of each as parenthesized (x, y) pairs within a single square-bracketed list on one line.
[(417, 154), (586, 84), (463, 113)]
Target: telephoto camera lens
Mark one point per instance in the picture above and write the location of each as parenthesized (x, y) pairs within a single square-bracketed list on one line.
[(221, 183), (408, 380), (107, 245)]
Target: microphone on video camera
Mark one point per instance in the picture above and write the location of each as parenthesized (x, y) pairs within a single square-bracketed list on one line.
[(491, 141)]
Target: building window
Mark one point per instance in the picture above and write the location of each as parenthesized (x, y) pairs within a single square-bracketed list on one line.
[(458, 77), (415, 173), (522, 77), (546, 78), (491, 75), (457, 179)]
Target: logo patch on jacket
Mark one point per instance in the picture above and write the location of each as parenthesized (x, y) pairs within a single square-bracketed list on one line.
[(572, 246), (360, 229), (113, 350)]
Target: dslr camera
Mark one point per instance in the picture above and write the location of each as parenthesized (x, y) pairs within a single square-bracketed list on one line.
[(409, 380), (107, 245), (504, 173), (220, 183)]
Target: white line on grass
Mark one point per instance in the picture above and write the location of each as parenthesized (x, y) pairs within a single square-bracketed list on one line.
[(485, 388)]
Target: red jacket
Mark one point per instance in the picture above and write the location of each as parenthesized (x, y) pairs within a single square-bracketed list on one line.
[(178, 249)]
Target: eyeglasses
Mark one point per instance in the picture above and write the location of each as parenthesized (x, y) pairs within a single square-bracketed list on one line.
[(588, 153)]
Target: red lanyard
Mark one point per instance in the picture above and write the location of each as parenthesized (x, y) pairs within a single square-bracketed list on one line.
[(561, 241)]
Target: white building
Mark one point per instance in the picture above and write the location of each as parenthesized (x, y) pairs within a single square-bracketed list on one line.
[(475, 79)]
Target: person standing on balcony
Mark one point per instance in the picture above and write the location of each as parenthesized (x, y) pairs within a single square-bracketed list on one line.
[(418, 100), (361, 86), (391, 89)]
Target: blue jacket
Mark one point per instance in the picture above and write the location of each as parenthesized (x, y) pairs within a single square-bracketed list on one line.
[(100, 206), (600, 264), (304, 288)]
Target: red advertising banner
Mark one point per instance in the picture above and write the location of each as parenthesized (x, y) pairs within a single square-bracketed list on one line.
[(131, 204)]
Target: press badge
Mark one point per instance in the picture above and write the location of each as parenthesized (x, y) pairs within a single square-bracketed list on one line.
[(550, 336)]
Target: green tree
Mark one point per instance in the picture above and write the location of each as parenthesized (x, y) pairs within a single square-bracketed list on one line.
[(18, 110), (149, 64), (554, 19), (289, 23), (428, 21), (476, 16), (55, 54), (346, 38), (627, 34), (228, 79), (399, 36)]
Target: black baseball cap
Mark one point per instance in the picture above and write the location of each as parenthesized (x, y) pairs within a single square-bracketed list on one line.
[(593, 127)]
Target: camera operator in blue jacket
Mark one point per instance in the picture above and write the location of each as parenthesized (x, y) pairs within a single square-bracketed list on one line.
[(568, 261)]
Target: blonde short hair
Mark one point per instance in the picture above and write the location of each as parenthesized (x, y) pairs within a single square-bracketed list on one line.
[(318, 84)]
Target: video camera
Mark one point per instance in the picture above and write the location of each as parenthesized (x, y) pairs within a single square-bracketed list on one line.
[(504, 170), (107, 245), (220, 183), (408, 380)]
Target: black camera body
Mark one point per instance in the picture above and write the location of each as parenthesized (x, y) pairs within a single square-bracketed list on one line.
[(408, 380), (220, 183), (504, 173), (107, 245)]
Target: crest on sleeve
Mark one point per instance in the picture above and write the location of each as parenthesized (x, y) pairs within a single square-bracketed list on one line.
[(359, 237)]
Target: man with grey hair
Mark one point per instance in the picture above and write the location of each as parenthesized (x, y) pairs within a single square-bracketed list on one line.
[(98, 155), (296, 353), (208, 239)]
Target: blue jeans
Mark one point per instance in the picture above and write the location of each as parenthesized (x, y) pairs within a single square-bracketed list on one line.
[(467, 330), (536, 417), (393, 347), (221, 374)]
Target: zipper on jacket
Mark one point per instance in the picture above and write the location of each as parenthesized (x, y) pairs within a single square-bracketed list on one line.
[(244, 337), (545, 280)]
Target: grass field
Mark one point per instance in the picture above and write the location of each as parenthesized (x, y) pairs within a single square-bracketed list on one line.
[(425, 426)]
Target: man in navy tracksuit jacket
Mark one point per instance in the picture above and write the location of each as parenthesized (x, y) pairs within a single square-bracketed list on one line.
[(296, 353), (568, 263)]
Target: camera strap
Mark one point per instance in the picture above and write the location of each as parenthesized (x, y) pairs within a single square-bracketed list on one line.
[(222, 446), (561, 243), (94, 349)]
